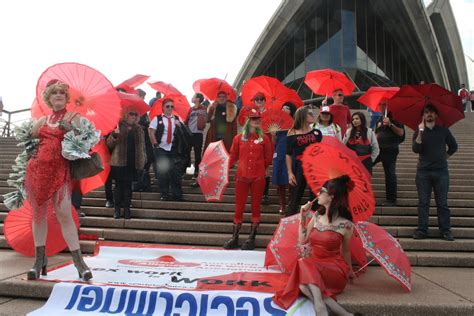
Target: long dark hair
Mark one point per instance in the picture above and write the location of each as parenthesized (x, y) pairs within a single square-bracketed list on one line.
[(339, 188), (363, 126), (300, 118)]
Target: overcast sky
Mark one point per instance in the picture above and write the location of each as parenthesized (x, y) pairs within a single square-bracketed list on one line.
[(175, 41)]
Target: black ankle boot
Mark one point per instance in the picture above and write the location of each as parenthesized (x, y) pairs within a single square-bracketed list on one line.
[(126, 213), (82, 268), (249, 244), (117, 212), (233, 243), (40, 265)]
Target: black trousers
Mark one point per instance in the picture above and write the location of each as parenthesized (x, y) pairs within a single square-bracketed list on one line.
[(388, 157), (196, 145), (76, 200), (122, 193), (109, 195), (297, 192), (169, 175)]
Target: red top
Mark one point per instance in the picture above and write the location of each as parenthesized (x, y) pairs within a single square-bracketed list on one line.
[(341, 115), (254, 156)]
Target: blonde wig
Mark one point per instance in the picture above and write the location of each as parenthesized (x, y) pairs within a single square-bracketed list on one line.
[(57, 86)]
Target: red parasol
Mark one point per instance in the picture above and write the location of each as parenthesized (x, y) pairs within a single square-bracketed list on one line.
[(244, 112), (19, 234), (163, 87), (387, 251), (210, 87), (358, 254), (181, 106), (408, 104), (283, 248), (276, 93), (276, 120), (214, 171), (330, 159), (91, 93), (89, 184), (135, 81), (134, 101), (326, 81), (376, 95)]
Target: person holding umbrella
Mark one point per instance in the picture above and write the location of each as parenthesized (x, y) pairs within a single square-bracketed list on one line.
[(300, 136), (430, 142), (222, 115), (390, 133), (340, 112), (362, 140), (128, 157), (196, 123), (324, 265), (48, 180), (253, 151)]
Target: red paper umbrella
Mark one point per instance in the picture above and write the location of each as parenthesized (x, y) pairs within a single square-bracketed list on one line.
[(92, 94), (276, 120), (135, 81), (181, 106), (407, 105), (89, 184), (19, 234), (210, 87), (244, 113), (276, 93), (214, 171), (387, 251), (376, 95), (134, 101), (358, 254), (39, 109), (330, 159), (325, 81), (283, 245), (163, 87)]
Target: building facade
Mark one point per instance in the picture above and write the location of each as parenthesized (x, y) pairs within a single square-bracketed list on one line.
[(375, 42)]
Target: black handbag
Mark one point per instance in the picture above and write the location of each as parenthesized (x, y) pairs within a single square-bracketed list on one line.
[(85, 168)]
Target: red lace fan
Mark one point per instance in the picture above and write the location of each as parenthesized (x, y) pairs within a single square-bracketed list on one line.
[(276, 120)]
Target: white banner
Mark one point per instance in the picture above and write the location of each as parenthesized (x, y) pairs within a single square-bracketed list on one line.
[(176, 268), (83, 299)]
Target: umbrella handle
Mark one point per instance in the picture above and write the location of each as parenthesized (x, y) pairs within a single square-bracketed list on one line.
[(365, 265)]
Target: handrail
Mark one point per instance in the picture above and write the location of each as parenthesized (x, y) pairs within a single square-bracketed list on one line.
[(7, 129)]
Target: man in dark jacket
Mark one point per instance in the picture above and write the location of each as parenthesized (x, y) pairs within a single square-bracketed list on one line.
[(430, 142), (169, 138), (390, 134)]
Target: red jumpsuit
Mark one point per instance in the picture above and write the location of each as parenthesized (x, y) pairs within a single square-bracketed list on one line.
[(254, 156)]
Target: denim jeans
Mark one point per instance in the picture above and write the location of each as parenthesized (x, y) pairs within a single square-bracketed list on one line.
[(437, 181), (388, 157)]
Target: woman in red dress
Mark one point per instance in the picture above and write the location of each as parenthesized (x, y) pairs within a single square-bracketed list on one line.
[(48, 182), (324, 267), (254, 151)]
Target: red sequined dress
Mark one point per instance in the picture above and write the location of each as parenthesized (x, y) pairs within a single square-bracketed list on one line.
[(324, 267), (47, 171)]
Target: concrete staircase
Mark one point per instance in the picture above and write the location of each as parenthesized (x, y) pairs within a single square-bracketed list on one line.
[(197, 222)]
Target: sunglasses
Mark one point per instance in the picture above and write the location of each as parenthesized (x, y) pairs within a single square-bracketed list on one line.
[(259, 99), (133, 113), (340, 95), (255, 118), (222, 96), (169, 107)]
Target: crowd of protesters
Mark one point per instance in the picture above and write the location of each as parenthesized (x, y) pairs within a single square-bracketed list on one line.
[(164, 143)]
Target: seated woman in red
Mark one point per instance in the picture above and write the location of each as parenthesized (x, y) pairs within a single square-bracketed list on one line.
[(324, 267)]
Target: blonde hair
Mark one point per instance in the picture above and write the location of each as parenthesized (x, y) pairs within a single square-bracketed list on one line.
[(55, 87)]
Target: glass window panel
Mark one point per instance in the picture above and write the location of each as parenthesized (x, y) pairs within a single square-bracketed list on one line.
[(289, 59), (310, 36), (371, 38), (322, 35), (334, 27), (380, 45), (280, 65)]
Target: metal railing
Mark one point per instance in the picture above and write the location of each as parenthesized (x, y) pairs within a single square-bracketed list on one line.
[(7, 125)]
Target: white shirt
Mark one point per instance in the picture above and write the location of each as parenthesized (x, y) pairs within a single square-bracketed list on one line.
[(331, 130), (162, 142)]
